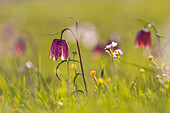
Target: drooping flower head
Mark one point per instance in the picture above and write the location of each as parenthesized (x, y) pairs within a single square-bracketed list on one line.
[(8, 32), (59, 48), (19, 47), (143, 38)]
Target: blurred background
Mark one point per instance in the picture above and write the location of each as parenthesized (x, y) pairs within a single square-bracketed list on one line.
[(22, 37)]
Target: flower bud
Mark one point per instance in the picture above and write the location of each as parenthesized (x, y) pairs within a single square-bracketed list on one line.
[(92, 73), (150, 58), (74, 52), (143, 38), (142, 71)]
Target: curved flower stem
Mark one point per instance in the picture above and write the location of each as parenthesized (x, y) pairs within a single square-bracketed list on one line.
[(163, 47), (133, 84), (136, 65), (150, 24), (76, 24), (67, 80), (51, 34), (159, 36), (74, 69), (78, 48)]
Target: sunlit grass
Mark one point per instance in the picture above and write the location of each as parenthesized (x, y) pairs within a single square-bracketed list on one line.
[(134, 85)]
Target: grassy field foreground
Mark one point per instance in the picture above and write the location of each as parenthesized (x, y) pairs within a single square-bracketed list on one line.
[(138, 81)]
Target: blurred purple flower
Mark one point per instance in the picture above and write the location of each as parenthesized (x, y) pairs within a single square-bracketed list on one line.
[(8, 31), (19, 47), (59, 48), (143, 38), (98, 51)]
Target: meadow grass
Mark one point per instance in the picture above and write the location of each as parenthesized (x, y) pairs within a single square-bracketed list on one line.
[(37, 89)]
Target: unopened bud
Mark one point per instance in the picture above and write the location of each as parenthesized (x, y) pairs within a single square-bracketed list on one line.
[(142, 70), (74, 52), (150, 58)]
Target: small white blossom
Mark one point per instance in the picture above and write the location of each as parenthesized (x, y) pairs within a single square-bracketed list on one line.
[(60, 103), (164, 75), (108, 46), (111, 46), (114, 44), (107, 51), (119, 51), (114, 55), (29, 64)]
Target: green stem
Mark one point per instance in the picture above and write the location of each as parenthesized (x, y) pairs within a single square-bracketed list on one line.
[(150, 24), (163, 47), (67, 80), (136, 65), (78, 48), (159, 36)]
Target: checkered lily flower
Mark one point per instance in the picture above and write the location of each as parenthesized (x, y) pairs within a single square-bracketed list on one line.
[(19, 47), (143, 38), (59, 48)]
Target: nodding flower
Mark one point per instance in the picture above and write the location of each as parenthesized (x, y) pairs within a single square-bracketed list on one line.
[(59, 48), (143, 38), (19, 47)]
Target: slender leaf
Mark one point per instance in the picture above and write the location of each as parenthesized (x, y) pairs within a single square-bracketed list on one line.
[(60, 64), (76, 91), (74, 80)]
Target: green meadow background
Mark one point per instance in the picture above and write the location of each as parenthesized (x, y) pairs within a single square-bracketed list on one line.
[(119, 16)]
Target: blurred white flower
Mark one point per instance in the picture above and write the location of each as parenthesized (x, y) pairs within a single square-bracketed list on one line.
[(29, 64), (60, 103), (87, 34), (114, 44), (117, 53), (164, 75), (110, 48)]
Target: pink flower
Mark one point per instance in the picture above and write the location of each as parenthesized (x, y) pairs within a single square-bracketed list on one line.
[(19, 47), (59, 48), (98, 51), (143, 38)]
